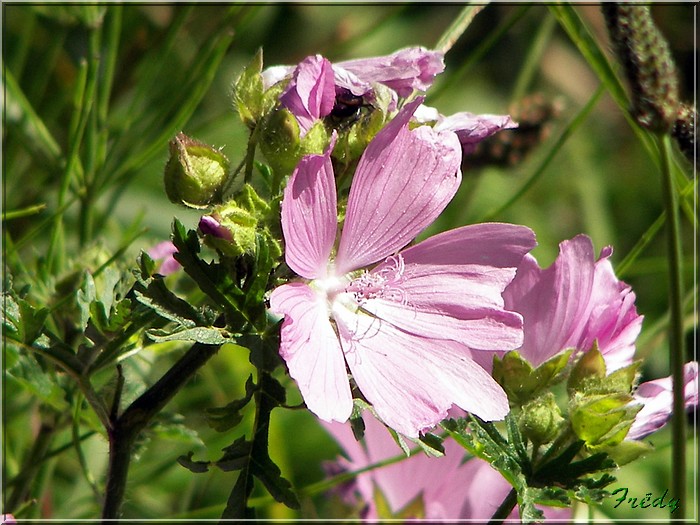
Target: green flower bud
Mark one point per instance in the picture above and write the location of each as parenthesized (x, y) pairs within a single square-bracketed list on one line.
[(195, 174), (279, 141), (232, 227), (647, 62), (540, 419)]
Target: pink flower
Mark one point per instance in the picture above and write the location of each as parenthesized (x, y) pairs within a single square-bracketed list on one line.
[(406, 328), (657, 398), (574, 302), (470, 128), (8, 518), (317, 86), (448, 487), (164, 251)]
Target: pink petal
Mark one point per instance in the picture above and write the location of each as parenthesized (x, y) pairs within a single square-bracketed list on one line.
[(553, 302), (309, 215), (657, 398), (472, 129), (612, 317), (412, 381), (403, 71), (449, 286), (403, 181), (310, 347), (310, 94)]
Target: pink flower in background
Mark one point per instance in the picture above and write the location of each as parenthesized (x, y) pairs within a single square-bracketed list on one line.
[(574, 302), (657, 398), (448, 487), (163, 252), (406, 328)]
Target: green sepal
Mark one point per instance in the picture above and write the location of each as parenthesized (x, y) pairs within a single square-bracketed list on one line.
[(521, 381), (248, 92)]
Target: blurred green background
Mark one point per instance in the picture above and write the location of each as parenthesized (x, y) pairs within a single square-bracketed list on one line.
[(602, 182)]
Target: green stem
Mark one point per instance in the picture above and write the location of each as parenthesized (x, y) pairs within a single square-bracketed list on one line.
[(126, 428), (675, 335), (563, 137), (458, 27), (504, 510), (23, 483)]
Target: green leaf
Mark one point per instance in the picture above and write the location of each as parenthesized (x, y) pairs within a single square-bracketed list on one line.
[(229, 416), (193, 466), (431, 445), (198, 334), (271, 476), (236, 456)]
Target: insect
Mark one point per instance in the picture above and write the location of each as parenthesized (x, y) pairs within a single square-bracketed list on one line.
[(347, 110)]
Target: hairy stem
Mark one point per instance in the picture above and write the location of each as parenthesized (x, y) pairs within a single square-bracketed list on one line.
[(505, 508), (125, 428)]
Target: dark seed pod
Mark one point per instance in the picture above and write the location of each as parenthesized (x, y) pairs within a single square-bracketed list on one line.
[(647, 62), (684, 130), (535, 115)]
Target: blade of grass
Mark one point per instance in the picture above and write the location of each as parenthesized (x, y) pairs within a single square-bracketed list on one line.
[(206, 66), (21, 117), (587, 45), (561, 140), (533, 58), (458, 27), (485, 45)]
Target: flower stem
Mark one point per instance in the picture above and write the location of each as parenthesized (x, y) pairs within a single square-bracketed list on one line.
[(126, 428), (675, 335), (504, 510), (458, 27)]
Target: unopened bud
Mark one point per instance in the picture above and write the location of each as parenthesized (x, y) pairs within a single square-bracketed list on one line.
[(541, 419), (647, 62), (196, 173)]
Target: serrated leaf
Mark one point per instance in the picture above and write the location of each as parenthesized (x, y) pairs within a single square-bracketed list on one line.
[(194, 466), (431, 445), (236, 456), (271, 476), (229, 416), (198, 334), (526, 503), (29, 375), (552, 497)]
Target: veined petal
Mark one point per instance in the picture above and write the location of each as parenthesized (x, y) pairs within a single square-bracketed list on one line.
[(311, 349), (310, 94), (495, 330), (403, 181), (412, 381), (554, 302), (612, 317), (472, 129), (403, 71), (309, 215)]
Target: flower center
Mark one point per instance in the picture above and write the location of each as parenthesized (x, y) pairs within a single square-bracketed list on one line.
[(382, 284)]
